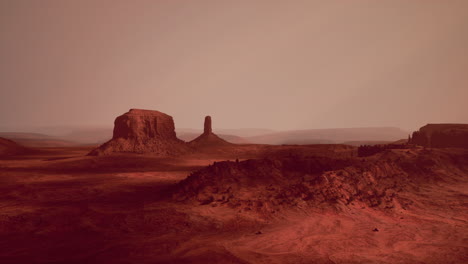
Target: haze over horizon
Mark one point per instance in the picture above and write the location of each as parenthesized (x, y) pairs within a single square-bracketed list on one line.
[(281, 65)]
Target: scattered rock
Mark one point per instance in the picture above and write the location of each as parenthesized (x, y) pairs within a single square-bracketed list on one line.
[(263, 185)]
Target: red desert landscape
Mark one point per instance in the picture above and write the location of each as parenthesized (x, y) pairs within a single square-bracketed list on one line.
[(233, 132), (147, 197)]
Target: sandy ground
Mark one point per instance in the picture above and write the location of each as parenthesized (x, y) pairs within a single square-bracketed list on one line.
[(59, 206)]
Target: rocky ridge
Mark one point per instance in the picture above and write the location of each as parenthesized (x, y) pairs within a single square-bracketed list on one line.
[(269, 185)]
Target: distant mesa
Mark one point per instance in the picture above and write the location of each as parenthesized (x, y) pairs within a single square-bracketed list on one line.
[(36, 140), (208, 138), (441, 136), (357, 136), (143, 131), (10, 148)]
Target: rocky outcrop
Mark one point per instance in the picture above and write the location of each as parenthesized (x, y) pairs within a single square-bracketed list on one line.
[(269, 185), (143, 131), (208, 138), (207, 125), (441, 136)]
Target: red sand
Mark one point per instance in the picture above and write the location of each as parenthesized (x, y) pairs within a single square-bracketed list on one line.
[(60, 206)]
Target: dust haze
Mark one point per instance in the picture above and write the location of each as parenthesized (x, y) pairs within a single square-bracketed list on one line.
[(281, 65), (233, 132)]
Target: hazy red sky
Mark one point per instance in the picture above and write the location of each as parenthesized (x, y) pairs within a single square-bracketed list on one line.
[(269, 64)]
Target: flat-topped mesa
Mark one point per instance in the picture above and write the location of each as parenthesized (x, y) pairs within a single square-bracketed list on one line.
[(143, 131), (207, 125), (441, 136), (144, 124)]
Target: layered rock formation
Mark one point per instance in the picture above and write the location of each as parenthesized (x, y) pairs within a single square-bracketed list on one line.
[(208, 138), (143, 131), (207, 125), (441, 136)]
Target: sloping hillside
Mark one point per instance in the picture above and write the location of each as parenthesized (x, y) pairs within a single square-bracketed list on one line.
[(9, 147)]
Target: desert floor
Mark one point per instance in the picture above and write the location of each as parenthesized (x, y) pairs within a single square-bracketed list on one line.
[(60, 206)]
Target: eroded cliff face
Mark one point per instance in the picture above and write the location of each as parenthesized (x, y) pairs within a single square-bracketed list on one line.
[(269, 185), (208, 139), (153, 132), (144, 124), (207, 129), (143, 131), (441, 136)]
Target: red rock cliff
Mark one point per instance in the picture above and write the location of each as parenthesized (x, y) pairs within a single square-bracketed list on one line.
[(143, 131)]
